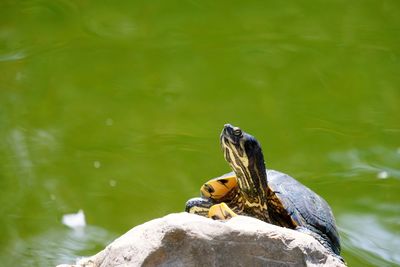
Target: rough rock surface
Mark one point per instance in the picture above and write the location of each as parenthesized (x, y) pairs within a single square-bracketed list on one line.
[(183, 239)]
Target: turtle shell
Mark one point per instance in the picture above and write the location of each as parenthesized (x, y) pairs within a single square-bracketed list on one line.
[(306, 208)]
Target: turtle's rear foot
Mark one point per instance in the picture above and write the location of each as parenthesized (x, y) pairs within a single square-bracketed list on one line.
[(324, 241), (221, 212)]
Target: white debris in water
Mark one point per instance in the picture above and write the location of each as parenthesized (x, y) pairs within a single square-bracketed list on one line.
[(97, 164), (74, 220), (112, 183), (109, 122), (383, 175)]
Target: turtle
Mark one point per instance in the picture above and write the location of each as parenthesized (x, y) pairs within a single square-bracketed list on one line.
[(268, 195)]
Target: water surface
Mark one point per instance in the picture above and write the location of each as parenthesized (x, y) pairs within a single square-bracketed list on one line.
[(116, 109)]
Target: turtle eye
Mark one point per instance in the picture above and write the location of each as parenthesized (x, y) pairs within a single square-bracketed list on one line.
[(237, 132)]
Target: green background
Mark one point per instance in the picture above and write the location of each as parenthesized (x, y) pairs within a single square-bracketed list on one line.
[(115, 108)]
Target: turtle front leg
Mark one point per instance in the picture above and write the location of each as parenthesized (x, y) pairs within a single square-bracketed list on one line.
[(221, 211)]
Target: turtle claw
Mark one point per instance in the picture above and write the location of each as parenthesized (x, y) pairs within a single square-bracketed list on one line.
[(221, 212)]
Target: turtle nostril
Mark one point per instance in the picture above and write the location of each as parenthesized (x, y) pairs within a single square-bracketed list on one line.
[(209, 188)]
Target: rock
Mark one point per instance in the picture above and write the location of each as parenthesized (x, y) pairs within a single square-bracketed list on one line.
[(184, 239)]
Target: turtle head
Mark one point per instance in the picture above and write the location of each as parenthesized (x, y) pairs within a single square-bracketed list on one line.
[(244, 154), (240, 148)]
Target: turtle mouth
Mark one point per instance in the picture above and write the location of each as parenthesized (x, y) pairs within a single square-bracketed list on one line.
[(231, 134)]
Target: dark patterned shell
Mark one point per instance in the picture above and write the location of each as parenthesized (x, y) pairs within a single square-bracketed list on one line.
[(305, 207)]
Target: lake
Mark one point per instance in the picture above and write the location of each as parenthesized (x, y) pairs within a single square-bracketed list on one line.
[(116, 110)]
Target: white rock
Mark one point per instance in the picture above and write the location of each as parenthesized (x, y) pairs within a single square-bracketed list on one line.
[(183, 239), (74, 220)]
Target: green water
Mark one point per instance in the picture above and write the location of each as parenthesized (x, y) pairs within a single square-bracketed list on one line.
[(116, 109)]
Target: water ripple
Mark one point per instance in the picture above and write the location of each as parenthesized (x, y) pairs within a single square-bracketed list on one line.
[(55, 247), (380, 161), (370, 239), (109, 24), (12, 56)]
